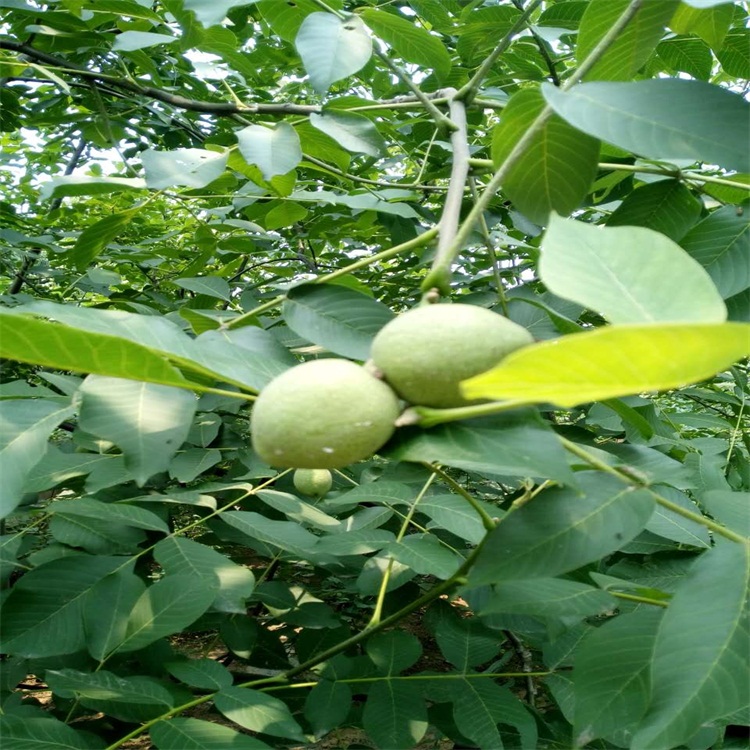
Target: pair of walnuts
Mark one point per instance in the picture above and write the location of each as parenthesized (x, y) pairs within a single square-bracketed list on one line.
[(329, 413)]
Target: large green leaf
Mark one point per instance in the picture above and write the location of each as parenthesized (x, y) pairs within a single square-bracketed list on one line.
[(632, 47), (25, 426), (721, 244), (611, 677), (466, 642), (188, 167), (395, 714), (410, 41), (194, 734), (275, 150), (338, 318), (661, 119), (455, 514), (332, 48), (517, 445), (258, 712), (204, 673), (125, 698), (480, 705), (666, 206), (327, 705), (710, 24), (699, 674), (147, 422), (561, 530), (620, 273), (425, 555), (547, 597), (43, 614), (96, 237), (121, 513), (180, 556), (687, 55), (165, 608), (613, 361), (39, 342), (48, 733), (95, 535), (556, 169), (394, 651), (106, 611), (354, 132)]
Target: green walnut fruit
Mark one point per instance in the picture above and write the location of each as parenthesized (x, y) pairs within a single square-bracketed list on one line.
[(426, 352), (323, 414), (313, 482)]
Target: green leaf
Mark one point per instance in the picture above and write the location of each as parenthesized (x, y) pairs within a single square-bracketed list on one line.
[(354, 132), (147, 422), (670, 525), (213, 12), (425, 555), (179, 556), (167, 607), (275, 151), (327, 705), (454, 514), (561, 530), (125, 698), (43, 614), (611, 677), (25, 426), (95, 238), (466, 642), (395, 714), (188, 167), (516, 445), (289, 537), (258, 712), (480, 705), (730, 508), (734, 55), (70, 185), (332, 48), (128, 41), (205, 674), (687, 55), (95, 535), (194, 734), (661, 119), (700, 674), (556, 169), (633, 45), (410, 42), (721, 244), (333, 316), (484, 27), (130, 515), (547, 597), (666, 206), (613, 361), (394, 651), (27, 733), (710, 24), (357, 542), (619, 272), (211, 286), (284, 214), (106, 610)]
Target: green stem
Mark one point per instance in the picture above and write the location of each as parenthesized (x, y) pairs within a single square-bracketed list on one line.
[(676, 173), (439, 271), (377, 612), (597, 463), (488, 522), (639, 599), (418, 241), (454, 198), (426, 416)]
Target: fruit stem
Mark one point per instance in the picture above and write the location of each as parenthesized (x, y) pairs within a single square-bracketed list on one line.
[(425, 416)]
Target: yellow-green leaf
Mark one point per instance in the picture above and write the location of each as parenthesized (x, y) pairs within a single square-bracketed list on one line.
[(613, 361)]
